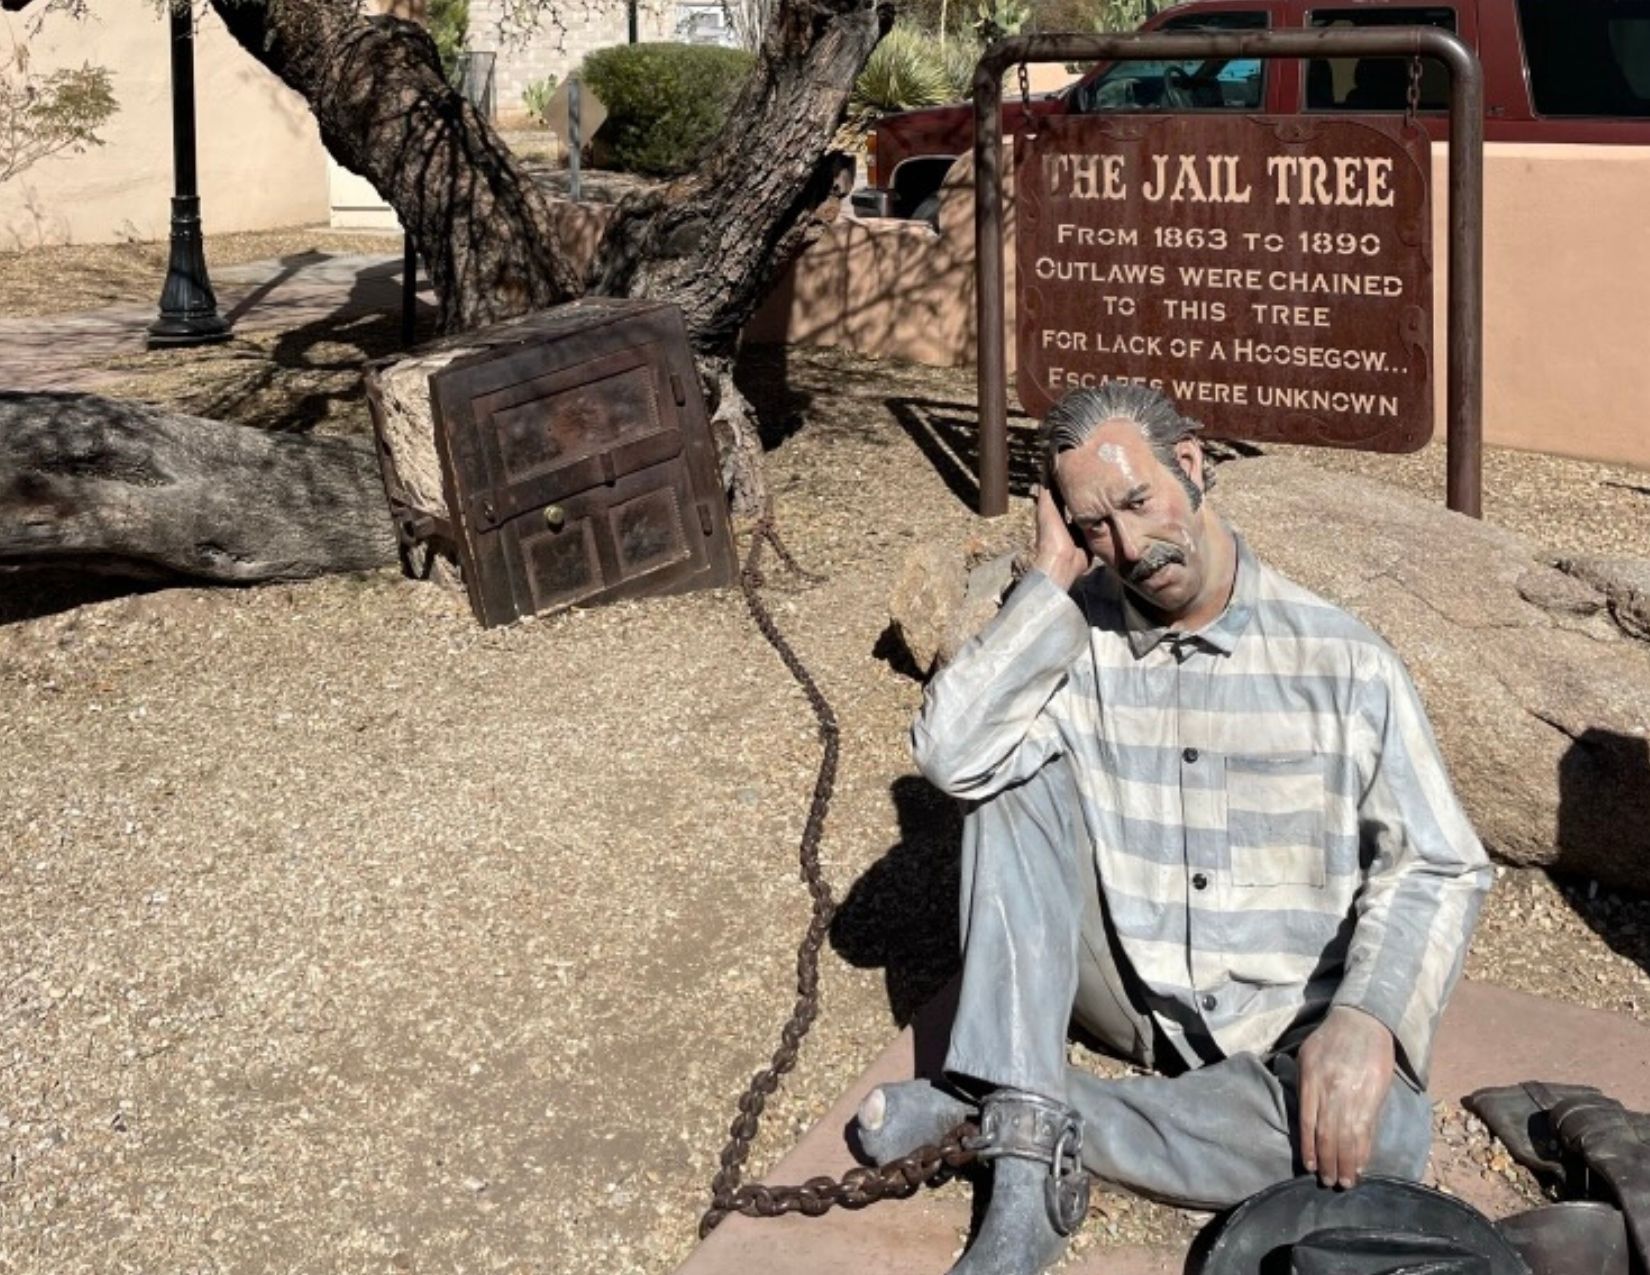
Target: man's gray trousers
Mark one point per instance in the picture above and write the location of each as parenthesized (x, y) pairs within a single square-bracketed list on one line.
[(1038, 951)]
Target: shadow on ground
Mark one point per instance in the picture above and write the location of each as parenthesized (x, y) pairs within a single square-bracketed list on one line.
[(1593, 811), (900, 916), (311, 372), (948, 434), (32, 594)]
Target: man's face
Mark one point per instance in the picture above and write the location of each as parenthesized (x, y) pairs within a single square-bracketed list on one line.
[(1137, 515)]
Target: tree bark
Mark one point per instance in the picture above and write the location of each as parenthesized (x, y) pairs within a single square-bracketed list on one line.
[(127, 489), (482, 226), (124, 489), (714, 241), (711, 242)]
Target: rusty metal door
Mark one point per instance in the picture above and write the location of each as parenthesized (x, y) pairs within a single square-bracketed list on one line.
[(579, 466)]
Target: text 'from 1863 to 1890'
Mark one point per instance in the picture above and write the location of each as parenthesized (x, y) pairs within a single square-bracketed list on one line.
[(1272, 273)]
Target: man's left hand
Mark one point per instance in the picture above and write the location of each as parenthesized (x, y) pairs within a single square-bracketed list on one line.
[(1346, 1068)]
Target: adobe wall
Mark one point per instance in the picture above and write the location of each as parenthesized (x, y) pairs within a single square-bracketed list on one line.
[(259, 154), (1565, 324)]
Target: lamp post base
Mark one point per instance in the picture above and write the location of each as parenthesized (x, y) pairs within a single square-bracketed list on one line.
[(188, 306)]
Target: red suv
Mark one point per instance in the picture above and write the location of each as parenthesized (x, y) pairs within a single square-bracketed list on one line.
[(1555, 71)]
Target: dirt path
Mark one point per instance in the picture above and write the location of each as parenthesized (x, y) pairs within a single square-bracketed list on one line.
[(343, 935)]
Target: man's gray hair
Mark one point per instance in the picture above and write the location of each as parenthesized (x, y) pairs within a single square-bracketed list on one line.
[(1081, 412)]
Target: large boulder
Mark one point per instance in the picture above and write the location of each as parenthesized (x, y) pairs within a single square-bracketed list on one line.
[(1532, 669)]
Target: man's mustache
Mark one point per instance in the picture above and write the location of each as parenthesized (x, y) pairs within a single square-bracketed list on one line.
[(1155, 559)]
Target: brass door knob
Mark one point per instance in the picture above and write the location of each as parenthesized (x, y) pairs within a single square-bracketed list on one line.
[(555, 517)]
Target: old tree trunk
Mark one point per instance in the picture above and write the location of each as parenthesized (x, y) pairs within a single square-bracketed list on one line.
[(711, 242)]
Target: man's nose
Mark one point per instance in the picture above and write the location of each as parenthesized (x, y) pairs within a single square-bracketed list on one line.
[(1123, 538)]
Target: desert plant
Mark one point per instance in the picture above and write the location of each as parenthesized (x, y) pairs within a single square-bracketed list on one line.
[(996, 19), (665, 102), (536, 98), (904, 71), (46, 115), (958, 58)]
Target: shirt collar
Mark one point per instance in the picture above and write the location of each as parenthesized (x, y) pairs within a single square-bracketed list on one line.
[(1221, 633)]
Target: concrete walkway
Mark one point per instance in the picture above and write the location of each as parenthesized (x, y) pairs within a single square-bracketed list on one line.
[(73, 352), (1490, 1036)]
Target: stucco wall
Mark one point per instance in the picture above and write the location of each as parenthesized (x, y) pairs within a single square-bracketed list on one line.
[(1566, 276), (260, 157)]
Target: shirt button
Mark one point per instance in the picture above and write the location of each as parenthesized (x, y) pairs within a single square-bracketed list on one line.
[(1189, 756), (1200, 881), (1209, 1002)]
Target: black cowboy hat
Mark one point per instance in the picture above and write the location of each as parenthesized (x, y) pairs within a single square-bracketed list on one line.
[(1382, 1226)]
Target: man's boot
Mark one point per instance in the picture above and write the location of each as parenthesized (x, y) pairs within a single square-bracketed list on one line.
[(1039, 1189)]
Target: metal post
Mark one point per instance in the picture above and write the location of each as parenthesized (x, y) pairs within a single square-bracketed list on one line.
[(409, 291), (1464, 449), (1465, 385), (630, 8), (575, 138), (188, 307), (988, 299)]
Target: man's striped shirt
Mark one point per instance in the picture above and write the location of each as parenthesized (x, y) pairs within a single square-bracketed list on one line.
[(1272, 825)]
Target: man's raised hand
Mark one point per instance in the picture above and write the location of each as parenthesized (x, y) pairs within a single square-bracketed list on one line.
[(1056, 554), (1346, 1068)]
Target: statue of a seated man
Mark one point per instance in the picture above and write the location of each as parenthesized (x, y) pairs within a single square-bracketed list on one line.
[(1208, 820)]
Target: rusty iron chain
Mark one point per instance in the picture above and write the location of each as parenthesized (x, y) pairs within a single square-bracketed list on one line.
[(858, 1187)]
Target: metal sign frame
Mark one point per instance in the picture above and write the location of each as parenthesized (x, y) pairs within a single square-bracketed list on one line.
[(1465, 287)]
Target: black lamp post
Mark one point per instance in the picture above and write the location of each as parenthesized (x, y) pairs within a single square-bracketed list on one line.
[(188, 308)]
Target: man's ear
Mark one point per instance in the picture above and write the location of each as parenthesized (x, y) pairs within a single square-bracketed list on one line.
[(1188, 453)]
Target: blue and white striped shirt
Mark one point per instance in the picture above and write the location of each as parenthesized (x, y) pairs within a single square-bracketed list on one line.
[(1272, 825)]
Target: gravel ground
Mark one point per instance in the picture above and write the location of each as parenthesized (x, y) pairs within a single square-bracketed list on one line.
[(345, 935)]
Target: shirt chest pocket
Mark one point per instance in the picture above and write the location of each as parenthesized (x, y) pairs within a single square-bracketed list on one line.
[(1275, 820)]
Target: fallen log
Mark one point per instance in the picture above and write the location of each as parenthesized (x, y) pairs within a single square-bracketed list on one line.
[(120, 488)]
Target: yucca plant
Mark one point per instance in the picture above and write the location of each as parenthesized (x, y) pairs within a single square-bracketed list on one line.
[(903, 72), (959, 58)]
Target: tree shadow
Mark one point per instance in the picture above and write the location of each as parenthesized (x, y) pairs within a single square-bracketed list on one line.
[(1604, 800), (948, 434), (900, 916), (762, 374), (32, 594), (312, 370)]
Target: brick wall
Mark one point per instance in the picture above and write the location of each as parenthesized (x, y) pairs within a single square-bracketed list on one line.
[(549, 51)]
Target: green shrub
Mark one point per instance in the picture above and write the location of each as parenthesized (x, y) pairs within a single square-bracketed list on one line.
[(449, 23), (665, 102), (905, 71), (536, 98)]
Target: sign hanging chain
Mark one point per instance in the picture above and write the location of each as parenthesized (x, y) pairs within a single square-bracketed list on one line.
[(1412, 102), (1025, 103), (858, 1187)]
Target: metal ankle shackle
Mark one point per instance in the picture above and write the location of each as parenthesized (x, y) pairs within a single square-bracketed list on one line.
[(1028, 1126)]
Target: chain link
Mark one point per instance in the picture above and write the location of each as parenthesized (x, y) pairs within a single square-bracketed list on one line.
[(858, 1187), (1413, 100), (1025, 102)]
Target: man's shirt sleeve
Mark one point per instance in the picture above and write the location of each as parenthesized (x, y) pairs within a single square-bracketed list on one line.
[(1427, 875), (982, 725)]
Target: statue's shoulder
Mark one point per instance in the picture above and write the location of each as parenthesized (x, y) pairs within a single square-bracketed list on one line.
[(1287, 609)]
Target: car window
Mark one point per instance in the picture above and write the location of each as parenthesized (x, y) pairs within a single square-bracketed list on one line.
[(1376, 84), (1587, 57), (1231, 84)]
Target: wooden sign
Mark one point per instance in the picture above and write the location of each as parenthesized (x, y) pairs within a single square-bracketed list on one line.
[(1271, 273)]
